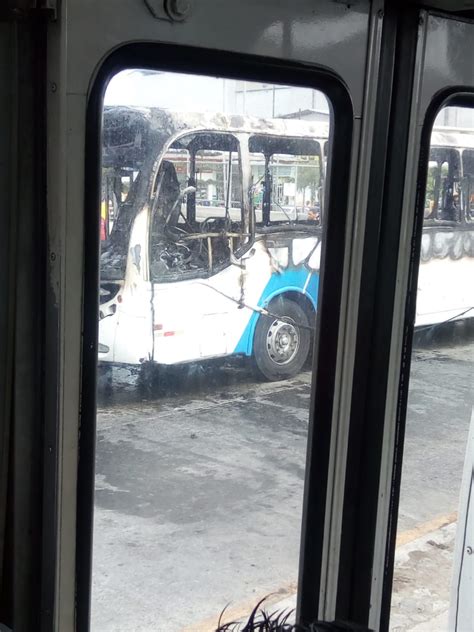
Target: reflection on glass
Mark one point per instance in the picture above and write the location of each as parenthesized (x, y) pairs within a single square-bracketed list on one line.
[(441, 396), (211, 229)]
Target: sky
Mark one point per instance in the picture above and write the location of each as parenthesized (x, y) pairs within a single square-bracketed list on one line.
[(165, 90), (197, 93)]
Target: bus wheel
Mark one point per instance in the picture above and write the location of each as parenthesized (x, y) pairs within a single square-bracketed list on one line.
[(280, 346)]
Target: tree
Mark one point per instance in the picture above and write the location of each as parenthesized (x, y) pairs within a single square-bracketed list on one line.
[(308, 177)]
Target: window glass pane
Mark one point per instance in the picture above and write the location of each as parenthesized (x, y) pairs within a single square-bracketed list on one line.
[(207, 319), (288, 185), (467, 183), (443, 200), (219, 185), (432, 522)]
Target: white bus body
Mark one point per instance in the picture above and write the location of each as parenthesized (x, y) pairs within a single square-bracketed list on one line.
[(186, 278)]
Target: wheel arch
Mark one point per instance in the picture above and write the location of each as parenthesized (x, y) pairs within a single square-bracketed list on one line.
[(303, 299), (297, 295)]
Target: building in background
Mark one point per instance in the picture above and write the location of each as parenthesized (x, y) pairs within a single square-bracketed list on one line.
[(271, 101), (456, 117)]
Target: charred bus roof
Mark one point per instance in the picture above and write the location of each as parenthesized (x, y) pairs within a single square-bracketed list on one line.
[(133, 135), (129, 133)]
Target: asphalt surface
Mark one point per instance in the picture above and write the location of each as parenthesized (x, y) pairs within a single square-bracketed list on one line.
[(199, 482)]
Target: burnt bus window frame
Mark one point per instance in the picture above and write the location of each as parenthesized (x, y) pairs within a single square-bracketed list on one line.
[(201, 61), (467, 211), (255, 138), (442, 155), (458, 96), (191, 203)]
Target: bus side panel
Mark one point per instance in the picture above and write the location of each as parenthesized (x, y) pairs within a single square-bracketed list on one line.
[(129, 328), (290, 273), (203, 318), (446, 275), (439, 298)]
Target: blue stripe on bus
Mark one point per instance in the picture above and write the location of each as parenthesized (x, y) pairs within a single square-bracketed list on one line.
[(290, 280)]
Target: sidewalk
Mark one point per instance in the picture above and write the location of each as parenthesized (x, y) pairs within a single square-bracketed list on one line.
[(422, 582), (421, 586)]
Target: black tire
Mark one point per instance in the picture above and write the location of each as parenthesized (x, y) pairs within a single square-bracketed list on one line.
[(280, 349)]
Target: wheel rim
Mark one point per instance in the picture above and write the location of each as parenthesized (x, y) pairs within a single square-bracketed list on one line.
[(283, 342)]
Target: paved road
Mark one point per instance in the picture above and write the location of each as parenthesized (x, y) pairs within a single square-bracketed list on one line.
[(199, 491)]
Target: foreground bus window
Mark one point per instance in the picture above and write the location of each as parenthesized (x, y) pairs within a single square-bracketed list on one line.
[(432, 523), (211, 223)]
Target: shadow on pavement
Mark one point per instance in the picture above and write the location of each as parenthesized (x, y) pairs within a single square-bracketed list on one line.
[(120, 384), (449, 334), (126, 384)]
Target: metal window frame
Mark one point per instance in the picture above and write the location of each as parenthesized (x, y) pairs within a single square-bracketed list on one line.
[(379, 406), (431, 93), (316, 585), (230, 65), (369, 394), (401, 352), (57, 333), (27, 504)]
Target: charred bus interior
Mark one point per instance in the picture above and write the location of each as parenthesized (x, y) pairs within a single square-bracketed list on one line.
[(185, 237), (208, 200)]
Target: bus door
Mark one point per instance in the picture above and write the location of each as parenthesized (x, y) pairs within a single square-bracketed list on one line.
[(199, 230)]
